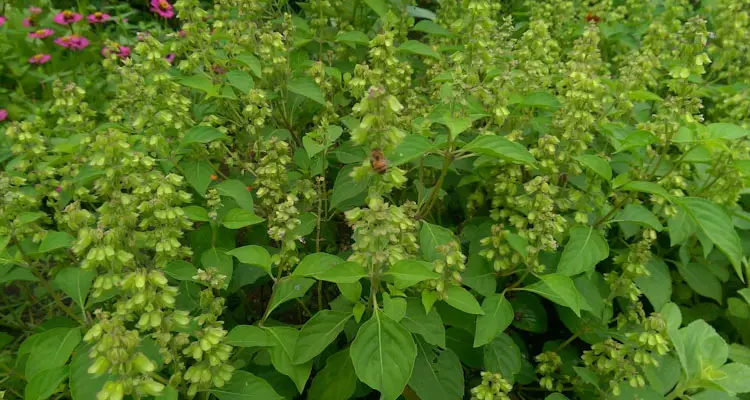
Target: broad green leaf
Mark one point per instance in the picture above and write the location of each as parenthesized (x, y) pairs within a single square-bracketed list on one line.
[(529, 313), (253, 255), (431, 28), (663, 377), (456, 126), (556, 396), (307, 87), (498, 315), (460, 299), (314, 265), (383, 354), (181, 270), (28, 217), (700, 279), (437, 374), (237, 218), (202, 134), (646, 187), (379, 6), (717, 226), (345, 272), (519, 243), (201, 82), (637, 139), (4, 240), (308, 222), (55, 240), (351, 291), (353, 37), (336, 381), (412, 147), (539, 100), (317, 333), (252, 62), (346, 189), (726, 131), (428, 325), (736, 378), (418, 48), (248, 336), (430, 237), (419, 12), (657, 286), (45, 383), (597, 165), (460, 341), (503, 355), (197, 174), (219, 259), (703, 348), (282, 355), (84, 386), (241, 80), (246, 386), (479, 275), (500, 148), (640, 215), (681, 227), (53, 351), (75, 282), (643, 95), (168, 393), (394, 307), (407, 273), (559, 289), (196, 213), (238, 191), (288, 288), (585, 248)]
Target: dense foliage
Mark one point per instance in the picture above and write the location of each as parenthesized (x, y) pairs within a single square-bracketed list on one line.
[(336, 199)]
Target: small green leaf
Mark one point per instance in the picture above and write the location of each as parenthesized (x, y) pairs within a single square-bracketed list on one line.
[(246, 386), (75, 282), (407, 273), (84, 386), (646, 187), (252, 62), (45, 383), (379, 6), (201, 82), (585, 248), (317, 333), (306, 87), (345, 272), (238, 191), (238, 218), (288, 288), (540, 100), (52, 351), (346, 189), (643, 95), (336, 381), (353, 37), (700, 279), (637, 139), (431, 28), (640, 215), (500, 148), (248, 336), (736, 378), (559, 289), (597, 165), (28, 217), (217, 258), (253, 255), (437, 374), (282, 355), (196, 213), (427, 324), (657, 286), (181, 270), (55, 240), (430, 237), (418, 48), (198, 174), (726, 131), (411, 148), (241, 80), (460, 299), (498, 315), (314, 265), (202, 134), (503, 355), (394, 307), (681, 227)]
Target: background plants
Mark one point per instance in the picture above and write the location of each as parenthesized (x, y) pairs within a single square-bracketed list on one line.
[(378, 199)]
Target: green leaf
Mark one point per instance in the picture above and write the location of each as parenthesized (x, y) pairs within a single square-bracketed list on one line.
[(430, 237), (196, 213), (198, 174), (597, 165), (379, 6), (503, 355), (317, 333), (169, 393), (346, 272), (657, 286), (700, 279), (245, 386), (540, 100), (288, 288), (646, 187), (529, 313), (28, 217), (500, 148), (45, 383), (84, 386), (336, 381), (408, 273), (411, 148), (665, 375), (52, 351), (181, 270), (703, 348), (637, 139), (383, 354), (76, 283), (585, 248), (55, 240), (726, 131), (428, 325), (238, 191), (641, 95), (307, 87), (739, 353), (345, 188), (237, 218), (431, 28), (314, 265), (498, 315), (201, 82), (241, 80), (639, 215), (253, 255), (394, 307), (353, 37), (282, 355), (351, 291), (419, 12), (418, 48), (217, 258), (202, 134), (252, 62), (681, 227), (248, 336), (559, 289), (437, 374), (736, 378), (717, 226), (460, 299)]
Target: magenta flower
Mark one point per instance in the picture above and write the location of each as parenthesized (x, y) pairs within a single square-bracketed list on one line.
[(29, 22), (3, 114), (73, 42), (42, 33), (170, 57), (39, 59), (163, 8), (116, 49), (98, 18), (67, 17), (2, 20), (35, 10)]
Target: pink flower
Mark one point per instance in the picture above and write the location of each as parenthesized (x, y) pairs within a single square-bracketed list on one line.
[(73, 42), (29, 22), (2, 20), (40, 59), (170, 57), (119, 51), (181, 33), (58, 189), (98, 17), (163, 8), (35, 10), (42, 33), (143, 35), (67, 17), (3, 114)]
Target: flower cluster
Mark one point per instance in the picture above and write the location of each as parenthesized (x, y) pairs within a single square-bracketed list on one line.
[(493, 387)]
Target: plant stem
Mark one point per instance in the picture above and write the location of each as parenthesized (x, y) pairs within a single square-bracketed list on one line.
[(436, 190), (614, 209)]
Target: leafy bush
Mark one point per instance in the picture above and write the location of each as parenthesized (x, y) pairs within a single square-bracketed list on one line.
[(340, 199)]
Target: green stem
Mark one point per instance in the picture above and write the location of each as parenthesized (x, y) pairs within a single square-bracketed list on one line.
[(436, 190), (614, 209)]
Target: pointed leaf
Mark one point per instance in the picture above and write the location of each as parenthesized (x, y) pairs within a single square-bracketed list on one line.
[(201, 134), (289, 288), (248, 336), (460, 299), (428, 325), (500, 148), (437, 374), (559, 289), (75, 282), (585, 248), (336, 381), (407, 273), (317, 333), (253, 255), (246, 386), (237, 218), (306, 87), (498, 315)]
